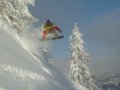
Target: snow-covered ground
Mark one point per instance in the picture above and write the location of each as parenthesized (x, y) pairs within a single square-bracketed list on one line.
[(22, 65)]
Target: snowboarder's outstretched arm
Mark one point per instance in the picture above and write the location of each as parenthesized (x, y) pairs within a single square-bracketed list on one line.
[(57, 28)]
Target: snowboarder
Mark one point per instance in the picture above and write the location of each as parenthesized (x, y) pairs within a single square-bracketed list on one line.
[(49, 27)]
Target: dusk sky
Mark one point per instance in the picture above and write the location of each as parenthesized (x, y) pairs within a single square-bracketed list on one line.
[(98, 21)]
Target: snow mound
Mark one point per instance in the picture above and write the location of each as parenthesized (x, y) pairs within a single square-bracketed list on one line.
[(22, 66)]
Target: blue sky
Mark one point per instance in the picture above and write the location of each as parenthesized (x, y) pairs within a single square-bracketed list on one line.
[(99, 21)]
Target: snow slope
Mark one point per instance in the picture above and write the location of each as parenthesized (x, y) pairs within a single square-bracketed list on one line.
[(22, 66)]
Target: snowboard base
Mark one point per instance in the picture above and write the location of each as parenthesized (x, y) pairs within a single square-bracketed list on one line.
[(54, 38)]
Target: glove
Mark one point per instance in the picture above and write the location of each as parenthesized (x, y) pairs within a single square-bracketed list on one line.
[(60, 31)]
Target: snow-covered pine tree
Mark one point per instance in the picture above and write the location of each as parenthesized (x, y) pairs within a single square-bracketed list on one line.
[(16, 13), (79, 72)]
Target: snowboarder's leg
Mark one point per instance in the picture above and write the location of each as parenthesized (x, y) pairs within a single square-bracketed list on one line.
[(44, 34), (53, 31), (55, 34)]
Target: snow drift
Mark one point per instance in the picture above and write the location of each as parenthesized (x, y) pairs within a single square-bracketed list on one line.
[(22, 65)]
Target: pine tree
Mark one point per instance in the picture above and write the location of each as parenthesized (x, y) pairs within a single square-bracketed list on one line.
[(16, 13), (79, 72)]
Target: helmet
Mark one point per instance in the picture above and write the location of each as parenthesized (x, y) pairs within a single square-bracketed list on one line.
[(48, 21)]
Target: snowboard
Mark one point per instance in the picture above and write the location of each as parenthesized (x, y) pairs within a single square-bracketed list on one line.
[(54, 38)]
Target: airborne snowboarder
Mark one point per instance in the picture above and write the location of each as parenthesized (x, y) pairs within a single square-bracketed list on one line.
[(49, 28)]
